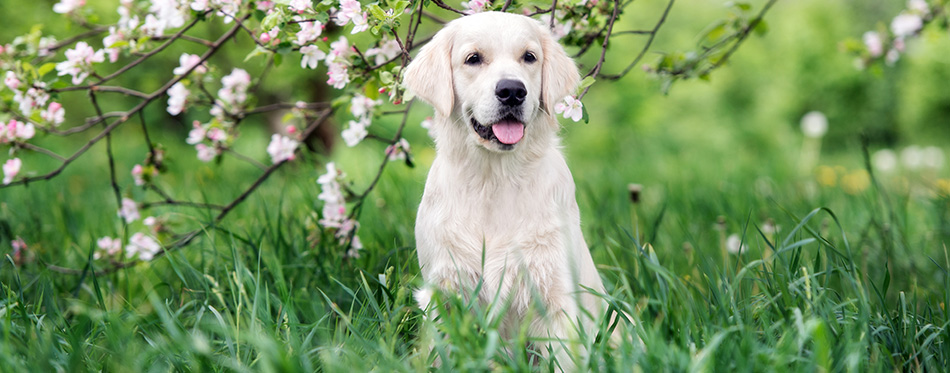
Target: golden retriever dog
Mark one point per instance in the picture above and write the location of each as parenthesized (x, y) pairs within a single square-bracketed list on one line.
[(499, 209)]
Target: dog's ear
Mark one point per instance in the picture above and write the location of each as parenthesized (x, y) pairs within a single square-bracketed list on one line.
[(429, 75), (559, 76)]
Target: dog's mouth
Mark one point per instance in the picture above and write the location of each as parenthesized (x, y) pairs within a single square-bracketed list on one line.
[(508, 131)]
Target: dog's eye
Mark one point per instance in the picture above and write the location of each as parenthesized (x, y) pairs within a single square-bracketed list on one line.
[(529, 57), (473, 59)]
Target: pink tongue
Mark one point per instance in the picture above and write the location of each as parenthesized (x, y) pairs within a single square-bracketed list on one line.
[(508, 132)]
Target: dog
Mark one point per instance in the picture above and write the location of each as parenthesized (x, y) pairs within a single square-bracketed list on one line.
[(499, 211)]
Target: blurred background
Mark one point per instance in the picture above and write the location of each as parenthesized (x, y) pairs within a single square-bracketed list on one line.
[(712, 158)]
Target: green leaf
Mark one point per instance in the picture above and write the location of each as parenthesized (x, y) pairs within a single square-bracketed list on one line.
[(46, 68), (278, 59), (761, 28), (586, 117), (258, 51), (587, 82), (377, 12), (386, 77)]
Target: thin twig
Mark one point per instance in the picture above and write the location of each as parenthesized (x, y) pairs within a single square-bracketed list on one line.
[(646, 47)]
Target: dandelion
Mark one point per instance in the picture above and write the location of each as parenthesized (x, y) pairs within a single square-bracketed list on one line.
[(814, 124), (932, 157), (734, 245), (912, 157), (855, 182), (884, 160)]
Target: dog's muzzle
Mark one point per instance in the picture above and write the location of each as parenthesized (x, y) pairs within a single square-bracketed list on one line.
[(509, 130)]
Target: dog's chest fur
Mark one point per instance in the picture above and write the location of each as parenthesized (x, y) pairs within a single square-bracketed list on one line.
[(508, 228)]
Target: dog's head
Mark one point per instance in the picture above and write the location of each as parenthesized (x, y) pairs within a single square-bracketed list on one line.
[(494, 76)]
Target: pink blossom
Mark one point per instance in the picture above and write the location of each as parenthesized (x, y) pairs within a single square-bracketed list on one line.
[(197, 133), (338, 75), (874, 44), (32, 99), (281, 148), (129, 211), (349, 9), (362, 106), (54, 113), (199, 5), (919, 7), (309, 31), (300, 6), (68, 6), (206, 153), (571, 107), (234, 87), (398, 151), (11, 80), (145, 247), (311, 56), (79, 62), (10, 169), (270, 35), (108, 245), (177, 96), (355, 132), (187, 62), (386, 51), (265, 5), (906, 25), (16, 130), (114, 37), (474, 6), (217, 135)]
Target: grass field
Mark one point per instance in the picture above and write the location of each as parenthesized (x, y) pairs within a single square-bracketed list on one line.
[(833, 277)]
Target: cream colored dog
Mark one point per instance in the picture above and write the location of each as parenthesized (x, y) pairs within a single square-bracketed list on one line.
[(499, 207)]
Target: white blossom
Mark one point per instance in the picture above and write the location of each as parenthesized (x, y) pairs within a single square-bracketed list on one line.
[(814, 124), (206, 153), (734, 245), (129, 211), (188, 61), (79, 62), (143, 246), (68, 6), (571, 107), (874, 44), (281, 148), (311, 56), (884, 160), (177, 95), (906, 24), (355, 132), (10, 169)]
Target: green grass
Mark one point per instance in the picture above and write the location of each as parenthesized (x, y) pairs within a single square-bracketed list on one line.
[(861, 286)]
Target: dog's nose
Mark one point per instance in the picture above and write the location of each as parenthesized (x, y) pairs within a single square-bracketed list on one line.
[(510, 92)]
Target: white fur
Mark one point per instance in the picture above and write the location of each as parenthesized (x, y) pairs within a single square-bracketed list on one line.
[(517, 205)]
